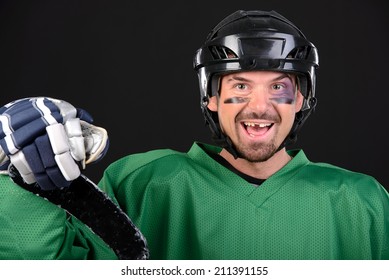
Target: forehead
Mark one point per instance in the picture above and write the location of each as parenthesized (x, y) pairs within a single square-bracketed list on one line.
[(258, 76)]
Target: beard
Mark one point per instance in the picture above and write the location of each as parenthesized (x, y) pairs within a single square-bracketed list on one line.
[(258, 152)]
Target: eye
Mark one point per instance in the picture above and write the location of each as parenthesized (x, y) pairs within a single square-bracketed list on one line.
[(277, 86), (241, 86)]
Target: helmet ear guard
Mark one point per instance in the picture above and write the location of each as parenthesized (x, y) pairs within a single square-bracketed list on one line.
[(250, 41)]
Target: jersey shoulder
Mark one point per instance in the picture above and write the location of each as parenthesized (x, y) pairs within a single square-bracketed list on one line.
[(135, 161), (336, 177), (161, 161)]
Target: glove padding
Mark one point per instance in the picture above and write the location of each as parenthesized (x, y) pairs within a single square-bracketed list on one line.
[(49, 141)]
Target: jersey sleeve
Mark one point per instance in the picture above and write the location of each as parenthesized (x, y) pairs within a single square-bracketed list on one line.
[(33, 228), (385, 220)]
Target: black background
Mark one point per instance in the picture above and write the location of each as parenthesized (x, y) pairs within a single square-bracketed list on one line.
[(129, 63)]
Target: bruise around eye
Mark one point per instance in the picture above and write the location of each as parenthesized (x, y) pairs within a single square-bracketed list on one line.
[(284, 96)]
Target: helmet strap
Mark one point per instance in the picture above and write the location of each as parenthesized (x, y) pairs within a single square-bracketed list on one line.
[(218, 137), (300, 119)]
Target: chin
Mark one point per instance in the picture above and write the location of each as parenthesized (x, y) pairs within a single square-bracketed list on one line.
[(258, 153)]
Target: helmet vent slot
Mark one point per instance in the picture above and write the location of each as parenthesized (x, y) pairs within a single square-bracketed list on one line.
[(300, 52), (219, 52)]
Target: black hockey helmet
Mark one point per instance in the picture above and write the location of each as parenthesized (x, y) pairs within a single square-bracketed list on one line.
[(255, 40)]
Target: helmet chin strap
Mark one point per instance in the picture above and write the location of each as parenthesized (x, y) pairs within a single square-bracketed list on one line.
[(218, 137)]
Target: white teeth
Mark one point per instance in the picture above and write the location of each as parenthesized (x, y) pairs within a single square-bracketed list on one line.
[(258, 124)]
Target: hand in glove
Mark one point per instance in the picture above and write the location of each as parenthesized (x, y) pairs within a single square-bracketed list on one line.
[(48, 141)]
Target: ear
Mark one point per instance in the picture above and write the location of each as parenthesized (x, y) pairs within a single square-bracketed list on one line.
[(212, 104), (299, 101)]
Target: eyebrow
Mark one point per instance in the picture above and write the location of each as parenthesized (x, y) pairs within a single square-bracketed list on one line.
[(242, 79), (281, 76)]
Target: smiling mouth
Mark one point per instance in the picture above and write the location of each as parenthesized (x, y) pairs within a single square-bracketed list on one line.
[(256, 129)]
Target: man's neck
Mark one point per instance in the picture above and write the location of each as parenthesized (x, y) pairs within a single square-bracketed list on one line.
[(260, 170)]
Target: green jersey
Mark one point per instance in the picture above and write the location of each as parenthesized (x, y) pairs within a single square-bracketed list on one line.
[(189, 206)]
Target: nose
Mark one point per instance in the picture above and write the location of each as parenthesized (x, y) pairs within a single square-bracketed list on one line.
[(259, 101)]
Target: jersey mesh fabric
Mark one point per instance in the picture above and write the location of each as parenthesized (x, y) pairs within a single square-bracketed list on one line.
[(34, 229), (188, 206)]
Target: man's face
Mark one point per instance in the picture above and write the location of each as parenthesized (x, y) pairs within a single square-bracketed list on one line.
[(257, 110)]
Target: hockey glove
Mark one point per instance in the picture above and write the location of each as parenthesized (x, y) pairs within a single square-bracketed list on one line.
[(48, 141)]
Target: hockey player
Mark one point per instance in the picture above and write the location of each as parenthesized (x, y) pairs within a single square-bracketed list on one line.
[(247, 197)]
